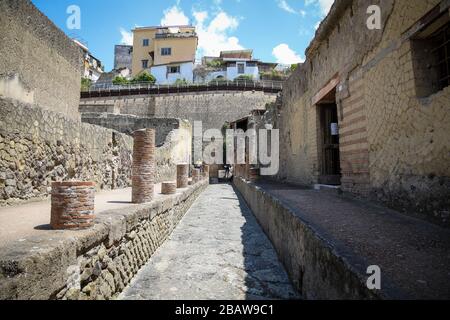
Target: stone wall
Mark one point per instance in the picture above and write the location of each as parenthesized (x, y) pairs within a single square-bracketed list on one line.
[(39, 146), (92, 264), (393, 143), (129, 123), (39, 63), (212, 108), (316, 270)]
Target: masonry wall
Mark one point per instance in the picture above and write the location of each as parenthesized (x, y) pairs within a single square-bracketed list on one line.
[(212, 108), (39, 63), (39, 146), (393, 144)]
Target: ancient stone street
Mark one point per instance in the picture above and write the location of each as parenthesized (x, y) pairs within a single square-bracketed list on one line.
[(218, 251)]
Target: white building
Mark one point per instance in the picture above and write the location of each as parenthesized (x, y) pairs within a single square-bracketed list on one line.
[(92, 66), (170, 73), (231, 65)]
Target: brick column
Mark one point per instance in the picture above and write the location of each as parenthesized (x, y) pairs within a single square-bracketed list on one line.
[(182, 175), (143, 176), (72, 205), (206, 171), (169, 188), (253, 174), (196, 175)]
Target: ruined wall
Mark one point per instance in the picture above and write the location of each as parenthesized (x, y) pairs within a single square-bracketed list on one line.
[(129, 123), (212, 108), (394, 145), (39, 63), (39, 146)]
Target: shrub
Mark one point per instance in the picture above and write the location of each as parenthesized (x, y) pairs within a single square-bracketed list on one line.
[(181, 82), (244, 77), (120, 81), (85, 84), (144, 77)]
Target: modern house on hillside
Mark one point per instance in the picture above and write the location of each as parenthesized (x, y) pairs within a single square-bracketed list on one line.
[(168, 53), (231, 65), (92, 67)]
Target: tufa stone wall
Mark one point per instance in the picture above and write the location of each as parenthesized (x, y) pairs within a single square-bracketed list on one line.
[(93, 264), (212, 108), (129, 123), (39, 146), (39, 62), (393, 142)]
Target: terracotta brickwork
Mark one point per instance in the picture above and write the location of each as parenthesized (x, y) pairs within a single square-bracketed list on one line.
[(168, 187), (182, 176), (205, 172), (196, 175), (72, 205), (354, 146), (143, 172)]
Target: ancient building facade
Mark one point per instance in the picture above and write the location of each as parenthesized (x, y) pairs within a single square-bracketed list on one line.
[(369, 109)]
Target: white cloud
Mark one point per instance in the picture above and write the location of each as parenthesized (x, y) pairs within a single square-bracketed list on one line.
[(286, 55), (127, 37), (325, 5), (174, 17), (285, 6), (214, 37)]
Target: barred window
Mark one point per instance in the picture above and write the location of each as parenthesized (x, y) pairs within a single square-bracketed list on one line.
[(431, 57)]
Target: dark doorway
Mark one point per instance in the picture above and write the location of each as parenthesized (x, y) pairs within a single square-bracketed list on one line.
[(329, 157)]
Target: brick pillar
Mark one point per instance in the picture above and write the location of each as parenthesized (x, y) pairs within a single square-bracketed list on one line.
[(169, 187), (143, 176), (253, 174), (182, 175), (72, 205), (196, 175), (205, 172)]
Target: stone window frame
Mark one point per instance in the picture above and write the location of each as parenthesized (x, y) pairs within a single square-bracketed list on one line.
[(145, 42), (144, 64)]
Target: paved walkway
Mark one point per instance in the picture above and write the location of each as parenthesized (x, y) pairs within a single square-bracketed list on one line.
[(218, 251), (414, 255)]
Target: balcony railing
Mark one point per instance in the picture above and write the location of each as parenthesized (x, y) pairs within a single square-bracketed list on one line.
[(175, 35), (108, 89)]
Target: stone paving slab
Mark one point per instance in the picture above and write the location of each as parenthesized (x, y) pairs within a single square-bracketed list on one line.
[(218, 251), (414, 255)]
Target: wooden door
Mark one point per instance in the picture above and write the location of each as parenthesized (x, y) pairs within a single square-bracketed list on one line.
[(330, 171)]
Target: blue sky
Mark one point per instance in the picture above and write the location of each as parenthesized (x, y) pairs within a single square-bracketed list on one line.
[(277, 30)]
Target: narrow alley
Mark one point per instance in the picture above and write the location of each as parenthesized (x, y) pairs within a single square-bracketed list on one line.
[(218, 251)]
